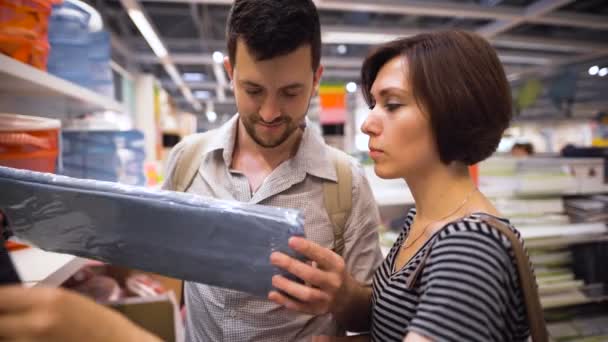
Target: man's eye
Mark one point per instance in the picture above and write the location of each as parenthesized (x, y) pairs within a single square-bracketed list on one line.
[(253, 91)]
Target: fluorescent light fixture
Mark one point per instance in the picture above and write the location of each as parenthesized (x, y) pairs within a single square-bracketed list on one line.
[(193, 77), (211, 116), (148, 32), (202, 94), (351, 87), (187, 93), (603, 72), (338, 37), (174, 74), (218, 57), (594, 70)]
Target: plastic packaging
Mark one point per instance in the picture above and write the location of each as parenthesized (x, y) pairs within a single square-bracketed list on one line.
[(185, 236)]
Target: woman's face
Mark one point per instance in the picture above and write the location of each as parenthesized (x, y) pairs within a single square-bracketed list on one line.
[(401, 141)]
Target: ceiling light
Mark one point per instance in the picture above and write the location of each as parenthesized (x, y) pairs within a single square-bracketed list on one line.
[(351, 87), (603, 72), (193, 77), (342, 49), (202, 94), (148, 32), (174, 74), (211, 116), (594, 70), (218, 57), (356, 38)]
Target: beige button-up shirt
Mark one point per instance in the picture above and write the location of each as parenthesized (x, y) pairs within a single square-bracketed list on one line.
[(215, 314)]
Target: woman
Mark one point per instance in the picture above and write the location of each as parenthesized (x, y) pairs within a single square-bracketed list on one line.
[(439, 102)]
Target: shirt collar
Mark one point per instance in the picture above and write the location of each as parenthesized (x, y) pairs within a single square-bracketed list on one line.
[(312, 156)]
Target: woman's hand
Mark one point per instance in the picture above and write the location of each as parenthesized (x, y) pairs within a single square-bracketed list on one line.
[(53, 314), (326, 285)]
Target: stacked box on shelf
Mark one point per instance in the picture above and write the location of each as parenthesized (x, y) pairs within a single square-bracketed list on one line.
[(79, 54), (99, 54), (116, 156)]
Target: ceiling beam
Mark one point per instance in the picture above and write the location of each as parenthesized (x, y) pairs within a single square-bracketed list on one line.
[(535, 10), (207, 59), (342, 34), (555, 64), (443, 9)]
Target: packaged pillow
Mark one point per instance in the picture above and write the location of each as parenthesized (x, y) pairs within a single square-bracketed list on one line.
[(215, 242)]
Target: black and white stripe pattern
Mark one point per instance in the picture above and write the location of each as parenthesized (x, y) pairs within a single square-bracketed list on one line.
[(468, 289)]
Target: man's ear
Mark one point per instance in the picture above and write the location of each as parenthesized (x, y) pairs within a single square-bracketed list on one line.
[(228, 67), (317, 78)]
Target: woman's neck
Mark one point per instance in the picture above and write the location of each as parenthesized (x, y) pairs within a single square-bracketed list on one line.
[(441, 191)]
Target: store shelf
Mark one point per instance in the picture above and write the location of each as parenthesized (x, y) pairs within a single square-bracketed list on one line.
[(39, 268), (18, 79)]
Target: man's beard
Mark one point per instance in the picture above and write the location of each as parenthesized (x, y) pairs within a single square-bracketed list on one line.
[(290, 126)]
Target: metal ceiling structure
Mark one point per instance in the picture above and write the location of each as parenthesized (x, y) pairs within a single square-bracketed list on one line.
[(555, 41)]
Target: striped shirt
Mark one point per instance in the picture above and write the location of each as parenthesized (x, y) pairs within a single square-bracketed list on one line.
[(468, 289)]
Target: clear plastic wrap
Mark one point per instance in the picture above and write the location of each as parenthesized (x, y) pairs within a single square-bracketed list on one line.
[(190, 237)]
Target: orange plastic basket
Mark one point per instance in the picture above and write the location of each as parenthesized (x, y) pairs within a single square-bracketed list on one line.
[(32, 52), (30, 143), (25, 18)]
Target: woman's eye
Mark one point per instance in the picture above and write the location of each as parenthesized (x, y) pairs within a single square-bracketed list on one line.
[(392, 106)]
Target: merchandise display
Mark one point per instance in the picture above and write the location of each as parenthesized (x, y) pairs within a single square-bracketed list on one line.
[(185, 236), (80, 48), (113, 156)]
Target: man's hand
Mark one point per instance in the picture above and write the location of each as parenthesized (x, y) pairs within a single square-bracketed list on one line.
[(327, 285), (51, 314)]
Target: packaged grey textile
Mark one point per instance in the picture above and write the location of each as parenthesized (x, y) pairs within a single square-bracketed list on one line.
[(215, 242)]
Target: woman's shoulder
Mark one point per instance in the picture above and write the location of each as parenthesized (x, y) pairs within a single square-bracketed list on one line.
[(478, 229)]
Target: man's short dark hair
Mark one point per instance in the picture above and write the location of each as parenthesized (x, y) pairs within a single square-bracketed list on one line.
[(457, 79), (272, 28)]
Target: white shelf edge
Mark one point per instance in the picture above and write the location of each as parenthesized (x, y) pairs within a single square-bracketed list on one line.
[(40, 268), (54, 84)]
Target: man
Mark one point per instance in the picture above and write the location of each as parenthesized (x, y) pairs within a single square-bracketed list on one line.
[(264, 155)]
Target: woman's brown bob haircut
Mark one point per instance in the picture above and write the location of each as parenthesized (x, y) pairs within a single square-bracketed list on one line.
[(457, 79)]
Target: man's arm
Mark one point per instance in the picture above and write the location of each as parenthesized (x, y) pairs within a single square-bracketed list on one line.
[(338, 285), (328, 287)]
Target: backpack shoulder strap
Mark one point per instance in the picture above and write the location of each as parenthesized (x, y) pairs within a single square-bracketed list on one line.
[(534, 310), (338, 196), (189, 161)]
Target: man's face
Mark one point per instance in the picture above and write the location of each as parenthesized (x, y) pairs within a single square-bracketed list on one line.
[(272, 96)]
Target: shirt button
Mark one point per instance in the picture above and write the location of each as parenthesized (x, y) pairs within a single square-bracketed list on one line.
[(232, 313)]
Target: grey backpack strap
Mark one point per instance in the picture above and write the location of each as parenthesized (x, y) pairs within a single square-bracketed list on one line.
[(338, 197), (189, 161)]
